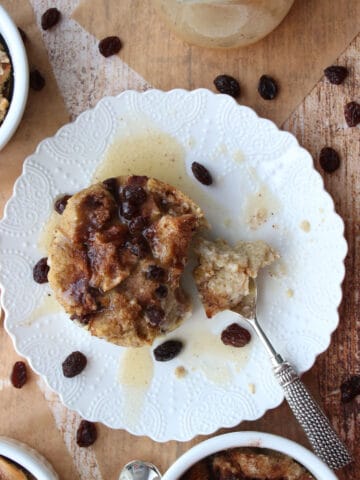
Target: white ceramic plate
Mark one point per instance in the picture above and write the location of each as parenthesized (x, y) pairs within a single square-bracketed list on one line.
[(299, 296)]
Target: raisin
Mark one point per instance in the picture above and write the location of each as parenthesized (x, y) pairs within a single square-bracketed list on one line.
[(138, 246), (336, 74), (154, 315), (74, 364), (111, 184), (168, 350), (227, 84), (128, 210), (23, 35), (110, 46), (86, 434), (352, 113), (41, 270), (161, 291), (36, 80), (235, 335), (61, 203), (50, 18), (134, 194), (137, 225), (350, 388), (267, 87), (329, 159), (155, 273), (84, 319), (138, 180), (201, 173), (18, 375)]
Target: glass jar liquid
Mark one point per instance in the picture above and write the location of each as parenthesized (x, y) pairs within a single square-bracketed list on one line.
[(223, 23)]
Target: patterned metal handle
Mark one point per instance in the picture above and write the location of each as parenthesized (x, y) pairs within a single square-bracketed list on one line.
[(324, 440)]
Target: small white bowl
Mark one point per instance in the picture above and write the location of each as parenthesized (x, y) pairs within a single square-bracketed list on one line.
[(28, 458), (15, 45), (250, 439)]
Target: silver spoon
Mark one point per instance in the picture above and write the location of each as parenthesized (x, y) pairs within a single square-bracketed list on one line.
[(139, 470), (322, 437)]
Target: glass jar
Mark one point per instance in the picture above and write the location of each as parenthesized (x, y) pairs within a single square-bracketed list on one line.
[(223, 23)]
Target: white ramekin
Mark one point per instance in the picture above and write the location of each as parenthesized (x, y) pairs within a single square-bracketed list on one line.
[(250, 439), (28, 458), (15, 45)]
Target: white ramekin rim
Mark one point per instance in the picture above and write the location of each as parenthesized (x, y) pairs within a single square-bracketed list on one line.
[(250, 439), (28, 458), (15, 45)]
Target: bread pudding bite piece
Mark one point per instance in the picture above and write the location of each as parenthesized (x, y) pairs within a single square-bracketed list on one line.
[(117, 257), (224, 272)]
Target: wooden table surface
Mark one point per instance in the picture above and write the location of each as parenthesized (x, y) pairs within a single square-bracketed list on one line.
[(316, 122)]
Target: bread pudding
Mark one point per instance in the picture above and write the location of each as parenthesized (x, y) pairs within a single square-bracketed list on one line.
[(117, 257), (5, 74), (223, 274), (247, 464)]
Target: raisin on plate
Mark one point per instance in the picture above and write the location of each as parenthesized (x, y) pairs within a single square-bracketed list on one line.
[(74, 364), (41, 270), (235, 336), (201, 173), (168, 350), (60, 204)]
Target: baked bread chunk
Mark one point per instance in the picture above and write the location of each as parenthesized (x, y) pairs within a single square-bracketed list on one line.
[(117, 257), (248, 464), (12, 471), (223, 274)]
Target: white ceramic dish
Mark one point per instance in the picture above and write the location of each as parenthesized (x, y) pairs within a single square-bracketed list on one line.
[(14, 43), (248, 156), (250, 439), (28, 458)]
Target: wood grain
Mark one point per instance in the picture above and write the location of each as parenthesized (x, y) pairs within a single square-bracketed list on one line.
[(310, 37), (317, 121)]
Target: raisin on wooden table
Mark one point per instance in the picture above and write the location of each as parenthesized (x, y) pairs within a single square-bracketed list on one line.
[(267, 87), (86, 434), (18, 375), (336, 74), (50, 18), (329, 159), (110, 46), (352, 113), (228, 85), (36, 80), (350, 388)]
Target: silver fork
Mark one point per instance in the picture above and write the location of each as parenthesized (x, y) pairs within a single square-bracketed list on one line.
[(322, 437)]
